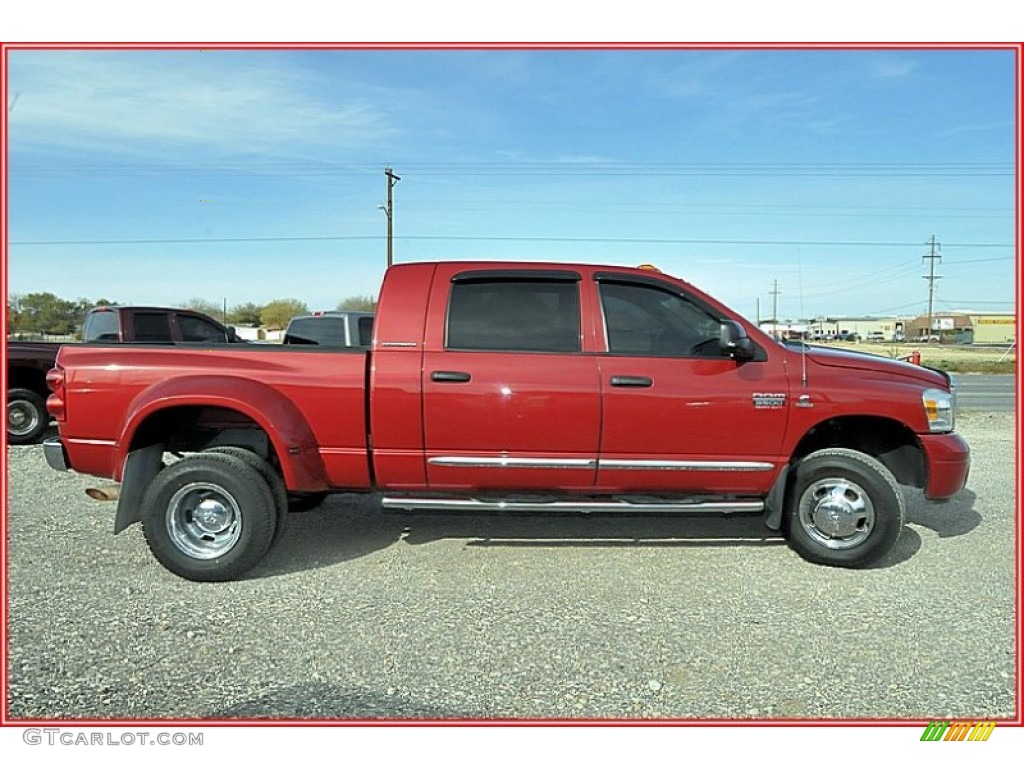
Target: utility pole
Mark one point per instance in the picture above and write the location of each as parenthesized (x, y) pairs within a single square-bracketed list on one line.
[(392, 180), (933, 255)]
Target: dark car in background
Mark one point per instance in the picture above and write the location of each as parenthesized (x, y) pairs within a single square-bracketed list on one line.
[(29, 361), (331, 329)]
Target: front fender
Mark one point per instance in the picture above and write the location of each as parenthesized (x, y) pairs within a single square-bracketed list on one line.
[(281, 420)]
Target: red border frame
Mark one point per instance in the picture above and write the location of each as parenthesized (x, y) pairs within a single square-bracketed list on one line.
[(5, 48)]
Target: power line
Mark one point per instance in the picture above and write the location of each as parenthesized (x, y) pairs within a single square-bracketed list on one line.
[(954, 302), (551, 168), (872, 278), (514, 239)]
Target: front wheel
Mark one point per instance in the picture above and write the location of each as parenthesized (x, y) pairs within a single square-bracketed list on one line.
[(844, 508), (209, 517)]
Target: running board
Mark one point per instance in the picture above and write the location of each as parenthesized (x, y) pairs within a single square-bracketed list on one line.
[(464, 504)]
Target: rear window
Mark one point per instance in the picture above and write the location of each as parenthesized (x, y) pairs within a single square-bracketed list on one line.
[(100, 326), (328, 331), (514, 315), (151, 326)]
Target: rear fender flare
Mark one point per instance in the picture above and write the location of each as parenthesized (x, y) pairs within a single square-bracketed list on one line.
[(284, 424)]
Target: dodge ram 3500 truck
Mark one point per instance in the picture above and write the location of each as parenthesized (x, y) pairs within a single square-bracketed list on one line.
[(490, 386)]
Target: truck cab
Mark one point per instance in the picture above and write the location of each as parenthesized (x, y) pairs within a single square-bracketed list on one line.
[(153, 324)]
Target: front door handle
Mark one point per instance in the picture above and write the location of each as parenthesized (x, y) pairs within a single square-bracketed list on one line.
[(450, 376), (631, 381)]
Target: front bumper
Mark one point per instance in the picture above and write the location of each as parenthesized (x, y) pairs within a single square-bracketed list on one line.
[(948, 460), (56, 456)]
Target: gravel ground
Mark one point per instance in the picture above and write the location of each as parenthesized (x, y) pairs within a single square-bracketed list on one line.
[(359, 614)]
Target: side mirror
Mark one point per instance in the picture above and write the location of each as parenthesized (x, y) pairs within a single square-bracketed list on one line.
[(734, 341)]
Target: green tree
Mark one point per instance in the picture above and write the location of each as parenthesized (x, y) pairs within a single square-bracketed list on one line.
[(211, 308), (47, 313), (358, 304), (13, 311), (245, 314), (277, 313)]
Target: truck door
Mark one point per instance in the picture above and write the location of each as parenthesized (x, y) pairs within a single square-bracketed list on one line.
[(511, 399), (678, 415)]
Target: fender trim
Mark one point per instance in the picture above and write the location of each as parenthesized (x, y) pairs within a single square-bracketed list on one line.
[(281, 420)]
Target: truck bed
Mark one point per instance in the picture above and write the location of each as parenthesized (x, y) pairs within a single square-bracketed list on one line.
[(328, 388)]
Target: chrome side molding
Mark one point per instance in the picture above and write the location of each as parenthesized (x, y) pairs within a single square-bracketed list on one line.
[(512, 504)]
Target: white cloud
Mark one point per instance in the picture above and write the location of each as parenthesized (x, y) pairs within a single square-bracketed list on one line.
[(221, 100), (891, 66)]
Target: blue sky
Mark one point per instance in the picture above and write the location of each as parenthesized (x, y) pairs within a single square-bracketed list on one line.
[(250, 175)]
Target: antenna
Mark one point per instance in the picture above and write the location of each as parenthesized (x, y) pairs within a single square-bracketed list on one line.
[(803, 342)]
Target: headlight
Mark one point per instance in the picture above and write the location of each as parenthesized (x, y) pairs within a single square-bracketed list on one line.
[(938, 409)]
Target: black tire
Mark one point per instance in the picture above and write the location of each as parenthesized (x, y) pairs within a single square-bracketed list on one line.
[(843, 508), (303, 502), (272, 479), (237, 529), (27, 418)]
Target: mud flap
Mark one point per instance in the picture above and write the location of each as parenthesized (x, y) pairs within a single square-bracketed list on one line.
[(775, 500), (141, 466)]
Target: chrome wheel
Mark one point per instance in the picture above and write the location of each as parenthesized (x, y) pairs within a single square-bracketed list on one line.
[(837, 513), (22, 418), (203, 520)]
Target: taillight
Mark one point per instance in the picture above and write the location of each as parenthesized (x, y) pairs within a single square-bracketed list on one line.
[(55, 403)]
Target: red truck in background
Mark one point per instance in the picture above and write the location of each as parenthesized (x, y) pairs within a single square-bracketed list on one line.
[(510, 387)]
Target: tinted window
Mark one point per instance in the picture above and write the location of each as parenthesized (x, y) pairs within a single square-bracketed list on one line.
[(514, 315), (366, 331), (101, 326), (329, 331), (152, 326), (198, 329), (646, 320)]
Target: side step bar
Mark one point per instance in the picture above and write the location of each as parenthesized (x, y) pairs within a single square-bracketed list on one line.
[(466, 504)]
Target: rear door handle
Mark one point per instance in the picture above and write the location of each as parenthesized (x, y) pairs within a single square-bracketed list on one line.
[(450, 376), (631, 381)]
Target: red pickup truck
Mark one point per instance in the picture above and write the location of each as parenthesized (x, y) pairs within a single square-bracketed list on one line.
[(510, 387)]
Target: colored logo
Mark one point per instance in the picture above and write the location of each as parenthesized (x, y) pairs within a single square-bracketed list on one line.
[(943, 730)]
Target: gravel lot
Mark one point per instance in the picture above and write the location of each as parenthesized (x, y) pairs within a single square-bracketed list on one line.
[(359, 614)]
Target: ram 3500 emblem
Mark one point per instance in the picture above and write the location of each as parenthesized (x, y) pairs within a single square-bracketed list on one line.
[(769, 399)]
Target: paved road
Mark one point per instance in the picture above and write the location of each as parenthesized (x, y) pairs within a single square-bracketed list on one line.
[(983, 392)]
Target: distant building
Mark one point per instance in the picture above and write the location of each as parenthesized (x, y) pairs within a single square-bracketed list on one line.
[(248, 332), (960, 327), (252, 333), (994, 328), (955, 327), (891, 328)]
